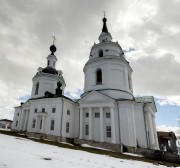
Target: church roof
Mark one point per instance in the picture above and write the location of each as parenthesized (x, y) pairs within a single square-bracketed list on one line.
[(104, 29), (50, 70), (51, 96), (146, 99)]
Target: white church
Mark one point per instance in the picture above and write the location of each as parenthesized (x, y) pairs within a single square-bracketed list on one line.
[(106, 115)]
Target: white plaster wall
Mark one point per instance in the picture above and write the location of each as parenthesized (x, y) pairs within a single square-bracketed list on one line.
[(95, 125), (117, 124), (45, 84), (16, 118), (73, 120), (140, 125), (109, 48), (96, 131), (114, 77), (48, 104), (127, 124), (61, 104), (51, 58)]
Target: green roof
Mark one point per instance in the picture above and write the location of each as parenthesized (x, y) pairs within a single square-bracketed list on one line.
[(144, 99)]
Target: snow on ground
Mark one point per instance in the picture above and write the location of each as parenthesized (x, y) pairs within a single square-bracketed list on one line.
[(89, 146), (133, 154), (23, 153)]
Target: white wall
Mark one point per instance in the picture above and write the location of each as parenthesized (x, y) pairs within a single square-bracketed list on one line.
[(140, 125), (61, 104), (109, 48), (16, 117), (127, 123), (115, 72), (47, 82)]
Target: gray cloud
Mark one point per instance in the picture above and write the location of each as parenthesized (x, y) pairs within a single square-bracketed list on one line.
[(150, 27), (159, 76)]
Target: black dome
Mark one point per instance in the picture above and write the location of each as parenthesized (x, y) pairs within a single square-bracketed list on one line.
[(52, 49), (50, 70)]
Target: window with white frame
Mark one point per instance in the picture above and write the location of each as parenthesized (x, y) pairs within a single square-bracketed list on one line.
[(16, 123), (87, 115), (68, 112), (35, 110), (53, 110), (37, 88), (34, 123), (67, 127), (43, 110), (17, 114), (86, 129), (97, 115), (40, 124), (108, 131), (108, 115), (98, 77), (48, 62), (52, 125)]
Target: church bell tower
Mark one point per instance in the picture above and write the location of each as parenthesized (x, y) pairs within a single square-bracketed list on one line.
[(48, 79), (107, 70)]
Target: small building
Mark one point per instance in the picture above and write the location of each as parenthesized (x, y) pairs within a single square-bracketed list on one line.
[(167, 141), (5, 123)]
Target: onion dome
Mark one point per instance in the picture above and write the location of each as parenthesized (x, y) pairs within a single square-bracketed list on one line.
[(53, 49), (50, 70)]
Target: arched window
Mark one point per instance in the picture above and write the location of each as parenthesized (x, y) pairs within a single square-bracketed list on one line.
[(37, 88), (99, 77), (54, 63), (48, 62), (100, 53)]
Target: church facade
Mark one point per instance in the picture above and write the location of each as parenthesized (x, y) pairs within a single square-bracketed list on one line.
[(107, 114)]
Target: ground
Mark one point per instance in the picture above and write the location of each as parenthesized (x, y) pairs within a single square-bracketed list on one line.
[(16, 152)]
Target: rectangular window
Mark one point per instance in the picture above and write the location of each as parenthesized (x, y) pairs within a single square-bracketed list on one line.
[(67, 127), (17, 114), (52, 125), (43, 110), (53, 110), (108, 115), (54, 63), (68, 112), (97, 115), (87, 115), (41, 124), (16, 123), (108, 131), (35, 110), (86, 129), (34, 123)]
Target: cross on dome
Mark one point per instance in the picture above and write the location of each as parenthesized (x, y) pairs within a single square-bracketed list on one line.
[(104, 29), (53, 47), (54, 39)]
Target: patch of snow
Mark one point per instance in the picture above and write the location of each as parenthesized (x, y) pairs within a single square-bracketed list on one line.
[(17, 153), (89, 146), (66, 143), (133, 154)]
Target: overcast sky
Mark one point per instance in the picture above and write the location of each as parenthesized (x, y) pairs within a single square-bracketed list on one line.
[(149, 29)]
